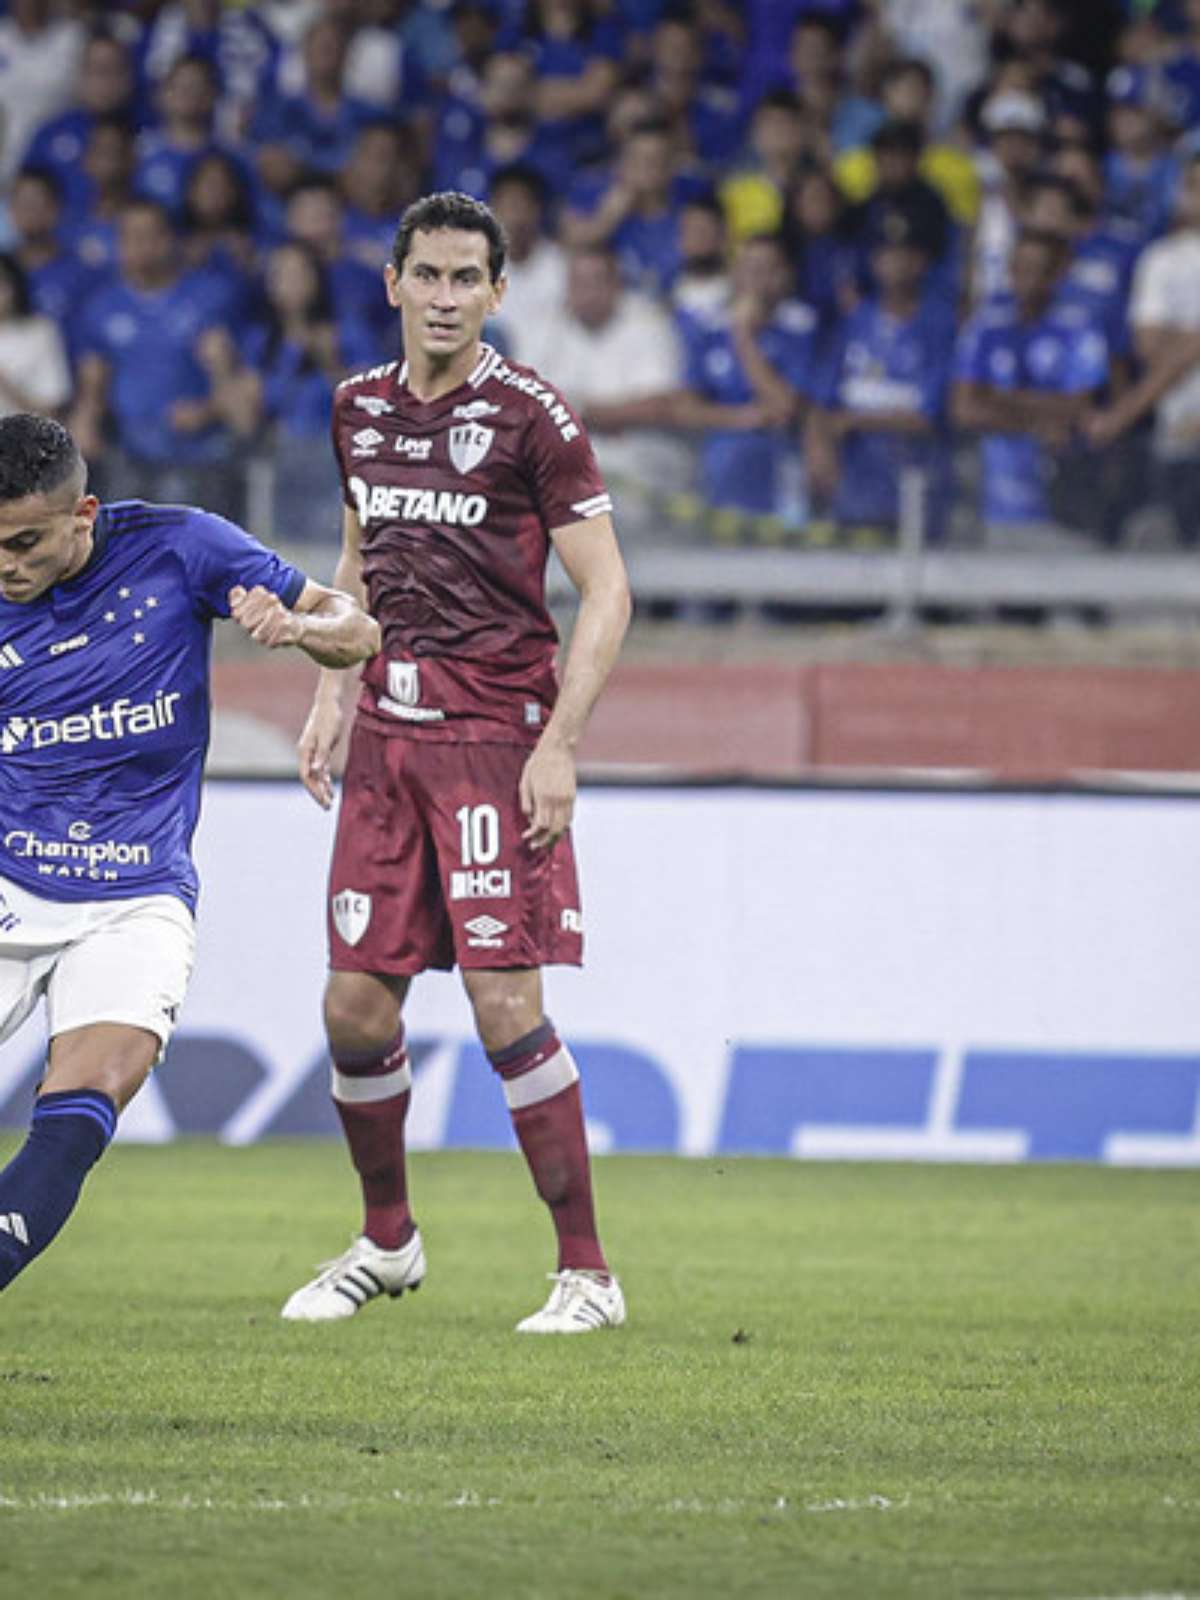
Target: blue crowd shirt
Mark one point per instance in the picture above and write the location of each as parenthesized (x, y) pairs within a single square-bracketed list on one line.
[(1061, 352), (745, 468), (104, 704), (149, 341), (163, 170), (880, 363), (1141, 194)]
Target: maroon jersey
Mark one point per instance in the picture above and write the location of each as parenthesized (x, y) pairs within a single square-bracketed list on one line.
[(456, 498)]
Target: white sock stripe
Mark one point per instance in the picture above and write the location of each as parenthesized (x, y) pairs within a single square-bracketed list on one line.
[(554, 1075), (353, 1091)]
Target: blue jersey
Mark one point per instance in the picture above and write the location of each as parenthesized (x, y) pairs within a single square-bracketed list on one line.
[(104, 704), (747, 467), (883, 364), (149, 339), (1062, 352)]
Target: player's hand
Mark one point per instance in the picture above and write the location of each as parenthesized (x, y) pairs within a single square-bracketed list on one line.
[(264, 617), (548, 794), (316, 745)]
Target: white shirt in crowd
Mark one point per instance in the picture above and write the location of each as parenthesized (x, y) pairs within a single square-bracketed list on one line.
[(33, 361), (533, 284), (635, 354), (1166, 294), (37, 81)]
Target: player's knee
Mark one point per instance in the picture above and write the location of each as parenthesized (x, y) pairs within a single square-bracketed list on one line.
[(359, 1016), (503, 1015)]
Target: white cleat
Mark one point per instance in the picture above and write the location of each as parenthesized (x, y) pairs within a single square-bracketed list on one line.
[(364, 1272), (579, 1302)]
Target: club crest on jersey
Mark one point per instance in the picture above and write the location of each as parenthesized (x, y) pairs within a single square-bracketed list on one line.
[(469, 443), (351, 914)]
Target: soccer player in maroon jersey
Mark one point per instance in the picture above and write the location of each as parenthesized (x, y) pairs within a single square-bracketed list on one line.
[(459, 471)]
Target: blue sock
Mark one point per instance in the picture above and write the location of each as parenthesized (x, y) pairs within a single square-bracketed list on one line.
[(38, 1189)]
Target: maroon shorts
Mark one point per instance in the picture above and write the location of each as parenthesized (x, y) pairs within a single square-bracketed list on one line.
[(429, 867)]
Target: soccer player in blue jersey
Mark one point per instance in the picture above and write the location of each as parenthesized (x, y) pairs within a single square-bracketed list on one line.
[(105, 622)]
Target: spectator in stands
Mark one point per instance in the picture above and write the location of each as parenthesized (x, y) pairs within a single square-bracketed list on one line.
[(109, 161), (1165, 316), (637, 211), (486, 125), (40, 54), (237, 43), (218, 217), (781, 141), (710, 112), (313, 128), (822, 236), (576, 52), (818, 76), (750, 376), (703, 286), (1102, 259), (59, 283), (34, 375), (1033, 32), (1027, 373), (377, 183), (142, 374), (1141, 171), (616, 357), (906, 93), (314, 214), (1014, 124), (168, 153), (886, 387), (951, 36), (1182, 68), (292, 363), (105, 89), (536, 267), (898, 148)]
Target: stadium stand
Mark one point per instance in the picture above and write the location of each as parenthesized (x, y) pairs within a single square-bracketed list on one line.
[(871, 304)]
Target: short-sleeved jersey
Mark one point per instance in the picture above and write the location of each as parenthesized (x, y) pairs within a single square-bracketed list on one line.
[(104, 703), (457, 498), (1061, 352)]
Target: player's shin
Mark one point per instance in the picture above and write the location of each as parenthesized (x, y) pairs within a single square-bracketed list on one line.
[(541, 1086), (371, 1092), (68, 1134)]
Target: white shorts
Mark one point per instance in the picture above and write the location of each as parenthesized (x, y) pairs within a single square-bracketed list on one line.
[(94, 960)]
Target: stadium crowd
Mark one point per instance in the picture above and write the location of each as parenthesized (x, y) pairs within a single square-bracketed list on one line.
[(775, 251)]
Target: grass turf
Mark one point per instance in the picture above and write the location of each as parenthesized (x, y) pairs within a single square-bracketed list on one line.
[(836, 1381)]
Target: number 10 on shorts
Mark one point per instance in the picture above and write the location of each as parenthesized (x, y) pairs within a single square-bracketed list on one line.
[(479, 834)]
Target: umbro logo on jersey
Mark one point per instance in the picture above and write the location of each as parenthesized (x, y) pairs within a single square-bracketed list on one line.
[(485, 932), (10, 656), (14, 1223), (366, 441)]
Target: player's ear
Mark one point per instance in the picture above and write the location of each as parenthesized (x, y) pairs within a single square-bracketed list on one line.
[(391, 283), (86, 508), (499, 285)]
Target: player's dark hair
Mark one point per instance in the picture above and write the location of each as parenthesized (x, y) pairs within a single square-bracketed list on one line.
[(46, 176), (450, 209), (17, 279), (908, 67), (1055, 183), (37, 456)]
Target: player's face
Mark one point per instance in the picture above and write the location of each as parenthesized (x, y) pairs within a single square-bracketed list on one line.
[(444, 293), (44, 539)]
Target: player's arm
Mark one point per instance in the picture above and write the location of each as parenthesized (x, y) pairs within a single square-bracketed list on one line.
[(592, 558), (323, 728), (328, 626)]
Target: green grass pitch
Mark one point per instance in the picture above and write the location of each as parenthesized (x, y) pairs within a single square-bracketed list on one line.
[(844, 1380)]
